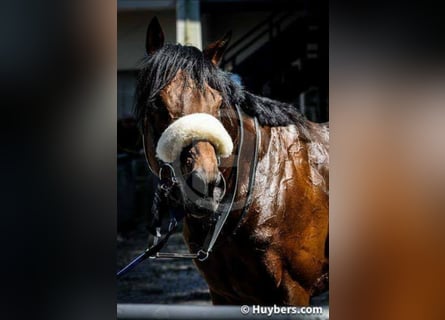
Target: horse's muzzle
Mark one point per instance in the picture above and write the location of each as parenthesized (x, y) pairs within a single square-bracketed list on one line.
[(201, 186), (202, 196)]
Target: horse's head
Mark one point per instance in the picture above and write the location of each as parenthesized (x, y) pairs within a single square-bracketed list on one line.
[(193, 144), (180, 105)]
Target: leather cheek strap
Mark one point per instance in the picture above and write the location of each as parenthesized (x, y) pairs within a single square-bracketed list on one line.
[(149, 149)]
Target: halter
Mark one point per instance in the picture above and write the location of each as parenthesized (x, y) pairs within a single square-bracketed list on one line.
[(217, 220)]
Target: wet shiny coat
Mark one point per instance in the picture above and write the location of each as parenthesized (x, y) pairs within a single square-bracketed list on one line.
[(279, 253)]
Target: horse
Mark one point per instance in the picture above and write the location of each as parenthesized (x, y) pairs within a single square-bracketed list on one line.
[(224, 142)]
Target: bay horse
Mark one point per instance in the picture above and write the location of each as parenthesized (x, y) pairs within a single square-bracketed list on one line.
[(273, 247)]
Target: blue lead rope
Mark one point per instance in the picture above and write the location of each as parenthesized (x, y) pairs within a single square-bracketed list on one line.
[(150, 252), (133, 263)]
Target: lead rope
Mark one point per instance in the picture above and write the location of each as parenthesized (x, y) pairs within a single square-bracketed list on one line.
[(150, 252)]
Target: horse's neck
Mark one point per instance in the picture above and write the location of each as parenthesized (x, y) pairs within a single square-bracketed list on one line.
[(306, 147)]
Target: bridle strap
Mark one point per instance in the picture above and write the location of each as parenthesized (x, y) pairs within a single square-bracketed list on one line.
[(252, 172), (224, 209), (147, 159)]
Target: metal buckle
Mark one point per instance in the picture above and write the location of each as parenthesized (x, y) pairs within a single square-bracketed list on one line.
[(167, 183), (202, 255), (165, 187)]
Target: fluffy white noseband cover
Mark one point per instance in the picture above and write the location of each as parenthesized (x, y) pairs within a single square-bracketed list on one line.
[(196, 126)]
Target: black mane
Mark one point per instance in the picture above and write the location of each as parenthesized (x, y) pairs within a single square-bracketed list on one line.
[(160, 68)]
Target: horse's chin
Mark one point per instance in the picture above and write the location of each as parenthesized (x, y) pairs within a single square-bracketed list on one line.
[(202, 207)]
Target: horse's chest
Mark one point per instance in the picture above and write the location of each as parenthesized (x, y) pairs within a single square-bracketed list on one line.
[(239, 273)]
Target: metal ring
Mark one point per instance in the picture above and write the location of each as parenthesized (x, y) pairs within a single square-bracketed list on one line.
[(202, 255), (172, 170), (225, 185)]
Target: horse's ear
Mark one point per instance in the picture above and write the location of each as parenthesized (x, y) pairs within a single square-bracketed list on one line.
[(155, 36), (214, 51)]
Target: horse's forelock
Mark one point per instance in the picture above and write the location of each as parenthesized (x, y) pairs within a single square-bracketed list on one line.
[(160, 68)]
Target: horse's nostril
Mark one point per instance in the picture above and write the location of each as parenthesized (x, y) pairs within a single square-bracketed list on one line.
[(197, 184), (203, 188)]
